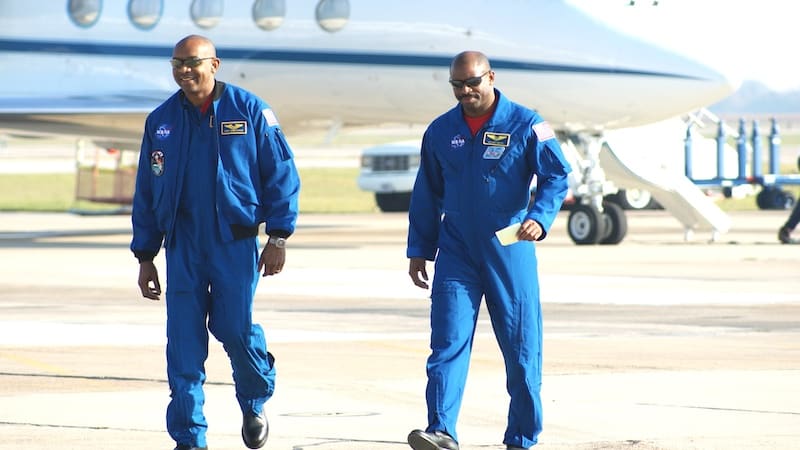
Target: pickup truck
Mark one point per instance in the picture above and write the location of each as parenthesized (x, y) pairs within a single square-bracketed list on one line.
[(389, 171)]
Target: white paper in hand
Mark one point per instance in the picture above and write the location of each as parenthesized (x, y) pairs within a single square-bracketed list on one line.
[(508, 235)]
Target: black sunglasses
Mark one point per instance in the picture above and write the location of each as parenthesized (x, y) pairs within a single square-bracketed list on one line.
[(194, 61), (471, 82)]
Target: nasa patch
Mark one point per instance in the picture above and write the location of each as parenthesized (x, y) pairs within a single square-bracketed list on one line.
[(457, 141), (157, 162), (163, 131)]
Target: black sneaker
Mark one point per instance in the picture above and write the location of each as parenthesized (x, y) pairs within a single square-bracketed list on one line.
[(785, 236), (435, 440), (189, 447)]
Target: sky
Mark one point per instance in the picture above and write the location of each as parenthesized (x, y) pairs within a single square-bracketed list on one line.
[(746, 39)]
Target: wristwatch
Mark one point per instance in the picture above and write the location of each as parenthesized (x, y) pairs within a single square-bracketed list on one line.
[(277, 241)]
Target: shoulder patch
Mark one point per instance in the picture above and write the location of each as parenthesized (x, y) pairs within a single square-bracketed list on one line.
[(543, 131), (269, 116)]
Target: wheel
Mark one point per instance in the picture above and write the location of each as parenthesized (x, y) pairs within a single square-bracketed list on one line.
[(615, 224), (772, 197), (585, 225), (634, 199), (393, 202)]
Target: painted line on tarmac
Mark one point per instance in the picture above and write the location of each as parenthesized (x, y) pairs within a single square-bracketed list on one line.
[(34, 363)]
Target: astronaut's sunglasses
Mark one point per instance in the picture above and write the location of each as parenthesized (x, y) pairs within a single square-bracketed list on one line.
[(192, 62), (471, 82)]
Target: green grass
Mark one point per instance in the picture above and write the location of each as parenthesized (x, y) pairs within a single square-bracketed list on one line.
[(35, 192), (333, 190), (324, 190)]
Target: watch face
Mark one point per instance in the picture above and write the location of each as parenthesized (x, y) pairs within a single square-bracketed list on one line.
[(279, 242)]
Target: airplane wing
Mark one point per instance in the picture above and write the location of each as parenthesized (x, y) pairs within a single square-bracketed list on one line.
[(117, 118)]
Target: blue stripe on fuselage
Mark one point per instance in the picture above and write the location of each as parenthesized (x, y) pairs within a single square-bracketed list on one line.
[(311, 56)]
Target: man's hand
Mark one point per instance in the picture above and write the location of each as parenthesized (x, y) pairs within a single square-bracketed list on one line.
[(416, 267), (530, 230), (271, 260), (148, 280)]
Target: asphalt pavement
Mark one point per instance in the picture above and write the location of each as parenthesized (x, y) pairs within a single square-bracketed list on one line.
[(655, 343)]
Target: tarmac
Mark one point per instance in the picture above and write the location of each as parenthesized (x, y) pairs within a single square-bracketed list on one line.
[(655, 343)]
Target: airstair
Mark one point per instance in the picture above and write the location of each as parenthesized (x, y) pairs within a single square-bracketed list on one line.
[(645, 158)]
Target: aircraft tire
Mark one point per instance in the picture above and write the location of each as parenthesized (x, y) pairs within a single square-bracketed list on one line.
[(772, 197), (615, 224), (585, 225), (394, 201)]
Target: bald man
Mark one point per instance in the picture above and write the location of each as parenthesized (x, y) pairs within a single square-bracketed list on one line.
[(477, 164), (214, 166)]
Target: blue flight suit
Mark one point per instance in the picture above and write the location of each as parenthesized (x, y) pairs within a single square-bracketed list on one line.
[(467, 188), (205, 183)]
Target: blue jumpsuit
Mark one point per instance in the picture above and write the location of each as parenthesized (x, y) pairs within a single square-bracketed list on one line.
[(467, 188), (206, 181)]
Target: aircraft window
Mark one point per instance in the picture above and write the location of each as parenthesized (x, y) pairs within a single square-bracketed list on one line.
[(269, 14), (206, 13), (332, 15), (145, 14), (84, 12)]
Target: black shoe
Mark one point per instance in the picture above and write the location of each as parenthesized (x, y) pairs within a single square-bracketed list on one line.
[(255, 430), (436, 440), (785, 236), (513, 447), (189, 447)]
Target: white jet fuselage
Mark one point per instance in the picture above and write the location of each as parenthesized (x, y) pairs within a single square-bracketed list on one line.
[(387, 64)]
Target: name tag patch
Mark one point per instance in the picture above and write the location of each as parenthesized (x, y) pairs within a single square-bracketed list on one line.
[(493, 152), (233, 127)]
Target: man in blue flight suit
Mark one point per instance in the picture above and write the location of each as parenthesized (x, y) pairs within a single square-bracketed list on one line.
[(477, 163), (214, 166), (785, 232)]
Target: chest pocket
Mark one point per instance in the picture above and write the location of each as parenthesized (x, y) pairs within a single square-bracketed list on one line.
[(499, 160), (453, 159), (507, 175)]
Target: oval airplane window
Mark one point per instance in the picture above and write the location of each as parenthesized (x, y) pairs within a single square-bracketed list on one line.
[(332, 15), (206, 13), (269, 14), (84, 13), (145, 14)]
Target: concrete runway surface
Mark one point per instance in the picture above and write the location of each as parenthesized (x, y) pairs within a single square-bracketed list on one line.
[(656, 343)]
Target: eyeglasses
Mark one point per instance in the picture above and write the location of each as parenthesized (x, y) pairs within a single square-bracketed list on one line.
[(194, 61), (471, 82)]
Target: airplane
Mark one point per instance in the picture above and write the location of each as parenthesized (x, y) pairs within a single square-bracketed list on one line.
[(93, 69)]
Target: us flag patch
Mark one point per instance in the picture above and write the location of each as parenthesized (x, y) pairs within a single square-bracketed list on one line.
[(543, 131), (269, 115)]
